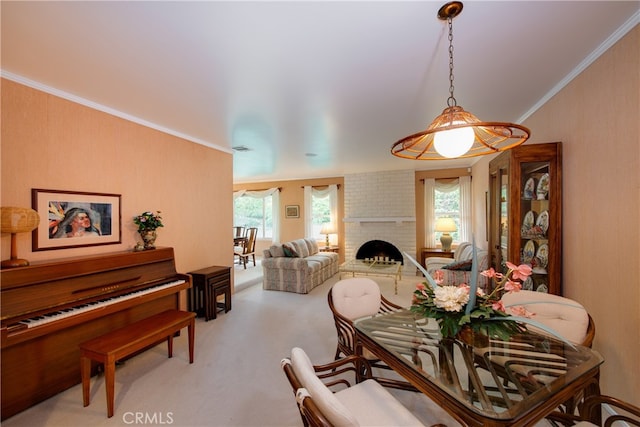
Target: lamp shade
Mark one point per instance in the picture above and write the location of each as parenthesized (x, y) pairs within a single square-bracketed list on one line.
[(19, 220), (445, 225), (327, 228)]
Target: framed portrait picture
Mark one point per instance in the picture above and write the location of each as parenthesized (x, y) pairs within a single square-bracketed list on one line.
[(292, 211), (71, 219)]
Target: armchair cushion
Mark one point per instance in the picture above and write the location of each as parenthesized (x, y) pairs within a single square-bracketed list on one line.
[(356, 297), (565, 316)]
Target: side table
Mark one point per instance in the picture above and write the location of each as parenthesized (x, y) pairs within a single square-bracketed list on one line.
[(429, 252), (208, 284)]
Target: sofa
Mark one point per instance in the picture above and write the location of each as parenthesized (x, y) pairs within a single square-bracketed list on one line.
[(297, 266), (458, 270)]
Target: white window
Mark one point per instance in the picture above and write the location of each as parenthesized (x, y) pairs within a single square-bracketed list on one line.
[(448, 198), (320, 208), (257, 209)]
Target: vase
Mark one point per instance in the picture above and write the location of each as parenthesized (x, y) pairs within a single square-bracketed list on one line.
[(472, 338), (149, 238)]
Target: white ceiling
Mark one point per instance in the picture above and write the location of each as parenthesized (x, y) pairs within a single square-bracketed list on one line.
[(339, 80)]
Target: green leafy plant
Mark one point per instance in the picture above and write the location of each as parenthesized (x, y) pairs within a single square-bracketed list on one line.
[(148, 221)]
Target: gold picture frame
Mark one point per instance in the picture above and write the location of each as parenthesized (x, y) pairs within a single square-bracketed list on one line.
[(292, 211)]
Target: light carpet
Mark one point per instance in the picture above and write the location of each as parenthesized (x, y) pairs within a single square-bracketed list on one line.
[(235, 380)]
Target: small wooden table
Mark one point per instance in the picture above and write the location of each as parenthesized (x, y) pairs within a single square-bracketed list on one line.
[(429, 252), (208, 284), (123, 342)]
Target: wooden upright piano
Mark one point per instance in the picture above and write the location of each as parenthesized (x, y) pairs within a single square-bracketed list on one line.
[(49, 308)]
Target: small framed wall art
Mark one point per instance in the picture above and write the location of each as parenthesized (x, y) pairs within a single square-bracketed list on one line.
[(292, 211), (72, 219)]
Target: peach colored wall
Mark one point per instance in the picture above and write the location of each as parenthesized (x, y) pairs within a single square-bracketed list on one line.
[(292, 193), (52, 143), (596, 118)]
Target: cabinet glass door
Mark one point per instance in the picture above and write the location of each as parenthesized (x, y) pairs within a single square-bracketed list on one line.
[(535, 222)]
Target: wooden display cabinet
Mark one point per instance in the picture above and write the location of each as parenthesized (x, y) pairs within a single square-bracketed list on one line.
[(525, 213)]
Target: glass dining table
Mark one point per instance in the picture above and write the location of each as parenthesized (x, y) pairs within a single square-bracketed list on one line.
[(482, 383)]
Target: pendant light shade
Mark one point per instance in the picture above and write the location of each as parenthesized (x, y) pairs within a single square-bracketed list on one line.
[(457, 133)]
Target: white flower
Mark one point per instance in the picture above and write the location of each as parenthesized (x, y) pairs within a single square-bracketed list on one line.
[(451, 298)]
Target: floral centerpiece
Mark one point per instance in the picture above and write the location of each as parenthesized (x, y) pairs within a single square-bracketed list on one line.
[(467, 307), (147, 223)]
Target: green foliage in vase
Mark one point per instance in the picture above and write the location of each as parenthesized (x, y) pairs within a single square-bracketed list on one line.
[(148, 221)]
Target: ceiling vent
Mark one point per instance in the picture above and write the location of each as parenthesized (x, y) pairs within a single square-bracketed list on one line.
[(240, 148)]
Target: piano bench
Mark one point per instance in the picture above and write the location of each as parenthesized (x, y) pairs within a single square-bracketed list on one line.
[(120, 343)]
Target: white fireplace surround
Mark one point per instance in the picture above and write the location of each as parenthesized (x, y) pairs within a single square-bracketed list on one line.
[(380, 206)]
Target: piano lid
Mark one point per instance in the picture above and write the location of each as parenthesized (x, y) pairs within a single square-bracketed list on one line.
[(51, 284)]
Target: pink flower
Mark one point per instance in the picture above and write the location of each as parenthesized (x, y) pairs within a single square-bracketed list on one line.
[(439, 276), (519, 310), (512, 286), (498, 306), (520, 272), (420, 287), (491, 273)]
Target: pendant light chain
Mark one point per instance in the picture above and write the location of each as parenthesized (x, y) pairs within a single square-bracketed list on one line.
[(457, 133), (451, 101)]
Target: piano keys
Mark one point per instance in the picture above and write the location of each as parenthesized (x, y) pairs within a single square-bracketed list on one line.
[(48, 309)]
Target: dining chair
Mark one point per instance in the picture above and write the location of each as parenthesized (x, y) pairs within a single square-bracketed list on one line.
[(249, 248), (353, 298), (621, 414), (342, 393), (562, 315), (238, 231)]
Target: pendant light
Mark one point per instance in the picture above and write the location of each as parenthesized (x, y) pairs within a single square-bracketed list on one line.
[(456, 133)]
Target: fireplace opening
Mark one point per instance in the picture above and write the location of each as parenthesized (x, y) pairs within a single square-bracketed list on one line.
[(379, 248)]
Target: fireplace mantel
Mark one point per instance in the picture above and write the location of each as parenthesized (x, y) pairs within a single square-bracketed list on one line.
[(398, 219)]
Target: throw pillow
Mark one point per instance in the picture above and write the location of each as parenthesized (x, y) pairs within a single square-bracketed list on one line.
[(460, 265), (289, 250), (276, 251)]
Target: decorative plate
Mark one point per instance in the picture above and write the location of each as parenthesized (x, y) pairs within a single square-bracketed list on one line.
[(530, 189), (528, 284), (543, 222), (543, 187), (529, 220), (543, 255), (528, 252)]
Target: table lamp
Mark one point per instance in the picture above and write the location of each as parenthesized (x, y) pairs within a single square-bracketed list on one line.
[(17, 220), (446, 226), (327, 228)]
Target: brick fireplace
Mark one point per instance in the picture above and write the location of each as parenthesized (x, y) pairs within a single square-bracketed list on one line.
[(380, 206)]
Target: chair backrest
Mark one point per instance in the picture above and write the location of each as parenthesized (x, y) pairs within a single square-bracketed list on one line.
[(328, 404), (238, 231), (356, 297), (563, 315), (250, 247)]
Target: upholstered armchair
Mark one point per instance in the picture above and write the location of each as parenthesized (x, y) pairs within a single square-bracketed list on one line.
[(458, 270)]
